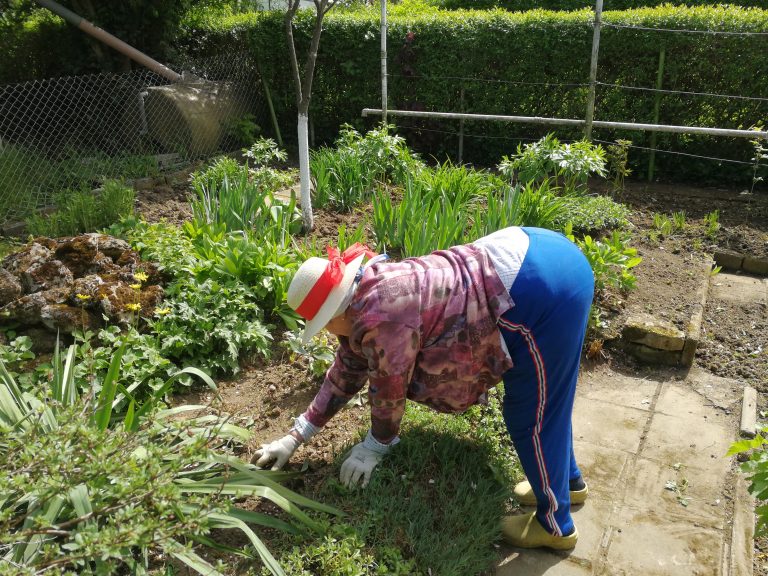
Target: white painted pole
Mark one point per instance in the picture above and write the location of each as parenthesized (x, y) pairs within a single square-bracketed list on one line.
[(733, 133), (593, 70), (384, 60)]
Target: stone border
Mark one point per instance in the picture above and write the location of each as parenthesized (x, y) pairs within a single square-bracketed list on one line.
[(659, 342), (743, 262)]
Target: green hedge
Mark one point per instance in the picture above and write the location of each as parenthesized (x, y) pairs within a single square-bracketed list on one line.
[(518, 53), (27, 52), (522, 5)]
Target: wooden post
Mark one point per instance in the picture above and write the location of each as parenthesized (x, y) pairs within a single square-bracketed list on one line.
[(656, 108), (461, 129), (384, 60), (593, 70)]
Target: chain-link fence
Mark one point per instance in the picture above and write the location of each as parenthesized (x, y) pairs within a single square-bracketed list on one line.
[(74, 132)]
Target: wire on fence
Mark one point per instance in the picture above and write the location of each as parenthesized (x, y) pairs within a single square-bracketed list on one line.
[(730, 96), (491, 80), (74, 132), (659, 151), (684, 31)]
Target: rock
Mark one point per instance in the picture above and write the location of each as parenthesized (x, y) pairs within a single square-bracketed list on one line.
[(40, 284), (25, 310), (66, 318), (654, 333), (18, 262), (86, 286), (10, 287), (755, 265), (46, 275), (112, 247), (728, 260), (78, 254)]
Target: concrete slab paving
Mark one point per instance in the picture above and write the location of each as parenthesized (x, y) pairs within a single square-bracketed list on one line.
[(608, 425), (739, 288), (635, 438)]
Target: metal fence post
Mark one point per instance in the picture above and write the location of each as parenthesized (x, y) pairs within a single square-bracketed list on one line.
[(384, 60), (461, 129), (593, 70), (656, 108)]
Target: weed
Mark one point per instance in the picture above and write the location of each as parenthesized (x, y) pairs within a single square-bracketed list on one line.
[(756, 470), (712, 224), (663, 225), (318, 352), (592, 214), (715, 270), (617, 157), (611, 260), (679, 221)]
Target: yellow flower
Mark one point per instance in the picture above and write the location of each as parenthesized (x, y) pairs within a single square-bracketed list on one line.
[(135, 286), (133, 307), (82, 296), (141, 276), (162, 311)]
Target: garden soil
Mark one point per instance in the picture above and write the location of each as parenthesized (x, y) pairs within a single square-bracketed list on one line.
[(734, 340)]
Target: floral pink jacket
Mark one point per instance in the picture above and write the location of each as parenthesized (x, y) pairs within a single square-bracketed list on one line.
[(423, 329)]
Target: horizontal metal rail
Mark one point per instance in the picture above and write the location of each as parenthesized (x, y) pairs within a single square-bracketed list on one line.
[(727, 132)]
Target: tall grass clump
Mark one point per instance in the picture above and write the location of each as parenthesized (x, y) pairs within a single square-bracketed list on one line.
[(431, 213), (84, 211)]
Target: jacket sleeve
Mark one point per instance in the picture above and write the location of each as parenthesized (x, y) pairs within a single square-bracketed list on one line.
[(344, 379), (391, 350)]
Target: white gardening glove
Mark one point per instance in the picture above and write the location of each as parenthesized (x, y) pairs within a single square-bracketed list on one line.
[(280, 451), (362, 460)]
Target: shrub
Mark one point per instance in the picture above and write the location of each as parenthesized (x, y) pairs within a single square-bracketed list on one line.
[(549, 159), (88, 491), (347, 175)]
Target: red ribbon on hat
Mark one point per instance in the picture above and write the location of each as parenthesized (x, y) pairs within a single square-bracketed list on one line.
[(330, 278)]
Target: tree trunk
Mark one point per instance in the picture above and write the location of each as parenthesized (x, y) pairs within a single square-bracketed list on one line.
[(306, 199)]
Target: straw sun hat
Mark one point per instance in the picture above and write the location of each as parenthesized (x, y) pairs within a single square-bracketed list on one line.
[(320, 286)]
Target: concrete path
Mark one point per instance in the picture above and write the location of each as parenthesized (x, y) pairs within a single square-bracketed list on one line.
[(664, 498)]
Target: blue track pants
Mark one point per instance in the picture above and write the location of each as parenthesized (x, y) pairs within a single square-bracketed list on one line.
[(544, 333)]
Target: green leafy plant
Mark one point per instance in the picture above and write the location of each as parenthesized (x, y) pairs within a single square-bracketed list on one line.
[(756, 470), (679, 221), (244, 129), (519, 205), (663, 225), (569, 164), (347, 175), (761, 153), (211, 324), (87, 491), (611, 259), (318, 352)]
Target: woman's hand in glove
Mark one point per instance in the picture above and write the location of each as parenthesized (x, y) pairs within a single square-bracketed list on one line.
[(363, 459), (280, 451)]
